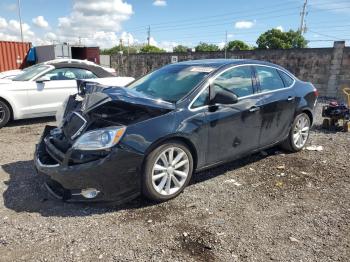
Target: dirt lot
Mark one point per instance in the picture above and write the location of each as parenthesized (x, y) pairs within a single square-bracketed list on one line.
[(270, 206)]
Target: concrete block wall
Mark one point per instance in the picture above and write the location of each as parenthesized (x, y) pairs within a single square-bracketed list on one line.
[(327, 68)]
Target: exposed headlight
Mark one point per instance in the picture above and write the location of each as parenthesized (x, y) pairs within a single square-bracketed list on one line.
[(100, 139)]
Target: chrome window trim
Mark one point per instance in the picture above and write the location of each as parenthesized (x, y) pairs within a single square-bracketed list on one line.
[(288, 74), (243, 97)]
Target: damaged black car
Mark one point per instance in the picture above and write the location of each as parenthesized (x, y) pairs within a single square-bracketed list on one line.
[(114, 143)]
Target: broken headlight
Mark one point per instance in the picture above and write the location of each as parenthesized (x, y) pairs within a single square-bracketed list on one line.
[(100, 139)]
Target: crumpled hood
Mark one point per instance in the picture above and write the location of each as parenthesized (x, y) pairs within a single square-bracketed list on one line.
[(96, 95)]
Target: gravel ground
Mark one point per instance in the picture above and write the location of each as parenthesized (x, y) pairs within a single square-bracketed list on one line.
[(269, 206)]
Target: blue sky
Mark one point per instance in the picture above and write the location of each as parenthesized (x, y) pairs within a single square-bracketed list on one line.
[(172, 22)]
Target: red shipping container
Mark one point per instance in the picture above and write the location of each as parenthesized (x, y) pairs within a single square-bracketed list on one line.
[(93, 54), (13, 54)]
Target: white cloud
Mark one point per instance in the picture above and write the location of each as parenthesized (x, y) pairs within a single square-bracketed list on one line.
[(10, 30), (152, 41), (230, 36), (280, 28), (221, 45), (159, 3), (244, 24), (94, 21), (90, 22), (127, 38), (3, 23), (40, 22), (51, 36), (166, 45)]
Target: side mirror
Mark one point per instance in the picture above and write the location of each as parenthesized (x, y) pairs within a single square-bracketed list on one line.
[(223, 97), (43, 79)]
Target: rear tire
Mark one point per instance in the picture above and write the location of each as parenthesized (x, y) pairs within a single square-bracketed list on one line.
[(298, 134), (168, 170), (5, 114)]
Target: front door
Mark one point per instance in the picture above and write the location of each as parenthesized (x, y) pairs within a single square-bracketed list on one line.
[(46, 97), (234, 129)]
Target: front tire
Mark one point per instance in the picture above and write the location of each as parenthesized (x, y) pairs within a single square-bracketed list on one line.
[(299, 133), (5, 114), (168, 169)]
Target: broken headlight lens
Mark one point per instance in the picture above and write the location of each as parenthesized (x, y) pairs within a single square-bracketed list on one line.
[(100, 139)]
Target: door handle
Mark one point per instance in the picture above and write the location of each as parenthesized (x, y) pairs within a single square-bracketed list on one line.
[(290, 98), (254, 109)]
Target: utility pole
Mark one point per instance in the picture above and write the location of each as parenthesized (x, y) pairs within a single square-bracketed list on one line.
[(128, 45), (303, 14), (149, 35), (20, 18), (226, 45)]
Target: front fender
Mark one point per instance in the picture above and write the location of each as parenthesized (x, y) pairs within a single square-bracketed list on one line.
[(11, 101)]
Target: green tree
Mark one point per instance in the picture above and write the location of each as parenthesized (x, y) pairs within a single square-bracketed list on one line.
[(237, 45), (276, 39), (120, 48), (180, 49), (151, 49), (114, 50), (204, 47)]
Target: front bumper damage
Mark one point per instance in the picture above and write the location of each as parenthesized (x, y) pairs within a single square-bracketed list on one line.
[(114, 174)]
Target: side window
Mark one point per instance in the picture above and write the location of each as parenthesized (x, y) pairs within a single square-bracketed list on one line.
[(269, 78), (83, 73), (288, 81), (70, 74), (237, 80), (202, 99)]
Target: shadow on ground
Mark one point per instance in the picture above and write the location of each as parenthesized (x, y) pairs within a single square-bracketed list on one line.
[(26, 122), (25, 191)]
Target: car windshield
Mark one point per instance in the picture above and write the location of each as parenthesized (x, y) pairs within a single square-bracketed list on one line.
[(171, 83), (30, 73)]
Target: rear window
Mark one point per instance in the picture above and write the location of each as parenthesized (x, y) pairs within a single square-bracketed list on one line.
[(269, 78), (287, 80)]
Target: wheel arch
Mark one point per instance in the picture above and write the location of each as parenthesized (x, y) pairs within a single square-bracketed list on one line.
[(306, 111), (179, 138), (9, 105)]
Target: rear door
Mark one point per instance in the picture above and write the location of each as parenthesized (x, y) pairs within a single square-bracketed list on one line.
[(279, 104), (46, 97)]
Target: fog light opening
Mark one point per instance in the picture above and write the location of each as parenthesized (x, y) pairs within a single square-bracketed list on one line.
[(89, 193)]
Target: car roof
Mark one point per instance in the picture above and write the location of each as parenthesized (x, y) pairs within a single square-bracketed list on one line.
[(99, 71), (217, 63), (68, 60)]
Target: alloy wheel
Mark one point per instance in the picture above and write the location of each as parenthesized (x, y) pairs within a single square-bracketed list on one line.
[(301, 131), (170, 171), (2, 113)]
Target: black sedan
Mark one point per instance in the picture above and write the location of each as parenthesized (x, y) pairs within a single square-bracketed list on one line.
[(114, 143)]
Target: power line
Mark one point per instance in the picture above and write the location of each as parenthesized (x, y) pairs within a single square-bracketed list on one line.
[(219, 16), (326, 35)]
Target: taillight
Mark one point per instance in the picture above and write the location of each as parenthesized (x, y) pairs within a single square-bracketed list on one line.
[(315, 90)]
